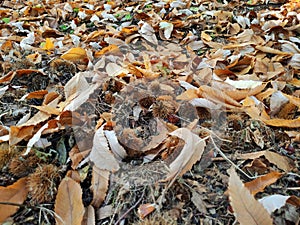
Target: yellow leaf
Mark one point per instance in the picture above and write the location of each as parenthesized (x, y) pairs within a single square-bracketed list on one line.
[(49, 45), (75, 54), (247, 210), (110, 48)]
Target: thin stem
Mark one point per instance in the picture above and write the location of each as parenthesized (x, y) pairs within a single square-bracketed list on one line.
[(227, 159)]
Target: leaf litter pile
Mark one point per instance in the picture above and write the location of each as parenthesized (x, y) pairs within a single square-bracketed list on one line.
[(150, 112)]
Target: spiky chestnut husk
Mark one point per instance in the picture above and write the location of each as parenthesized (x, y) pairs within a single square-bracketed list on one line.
[(6, 154), (42, 183), (158, 220), (163, 108), (22, 165)]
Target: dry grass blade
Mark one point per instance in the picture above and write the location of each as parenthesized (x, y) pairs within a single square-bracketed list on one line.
[(247, 209)]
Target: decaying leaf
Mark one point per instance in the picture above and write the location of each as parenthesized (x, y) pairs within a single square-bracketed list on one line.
[(14, 194), (189, 155), (99, 186), (247, 210), (68, 204), (146, 209)]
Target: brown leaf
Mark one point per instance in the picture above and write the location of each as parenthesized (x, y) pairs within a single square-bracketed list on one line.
[(282, 162), (259, 184), (89, 216), (17, 134), (218, 97), (68, 204), (295, 123), (15, 193), (99, 185), (247, 210), (145, 209), (189, 155)]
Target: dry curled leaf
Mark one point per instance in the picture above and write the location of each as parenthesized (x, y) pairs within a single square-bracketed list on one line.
[(68, 204), (189, 155), (247, 210), (101, 155)]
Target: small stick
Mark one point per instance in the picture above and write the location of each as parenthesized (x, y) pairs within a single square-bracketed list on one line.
[(131, 208), (228, 160)]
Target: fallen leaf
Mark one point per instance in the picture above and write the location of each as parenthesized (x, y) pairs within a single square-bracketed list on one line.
[(99, 186), (100, 155), (15, 194), (117, 149), (49, 45), (273, 202), (259, 184), (68, 204), (197, 200), (189, 155), (75, 54), (247, 210), (167, 27), (146, 209), (243, 84), (282, 162)]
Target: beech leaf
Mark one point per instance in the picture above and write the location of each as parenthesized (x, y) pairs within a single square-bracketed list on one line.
[(247, 210), (68, 204)]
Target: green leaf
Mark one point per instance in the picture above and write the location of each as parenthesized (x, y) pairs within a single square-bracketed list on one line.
[(6, 20), (194, 9), (128, 17), (62, 151), (64, 27), (76, 10)]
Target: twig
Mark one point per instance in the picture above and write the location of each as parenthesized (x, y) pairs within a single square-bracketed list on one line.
[(14, 204), (131, 208), (227, 159)]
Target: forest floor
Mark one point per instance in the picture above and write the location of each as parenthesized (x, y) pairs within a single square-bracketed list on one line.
[(150, 112)]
